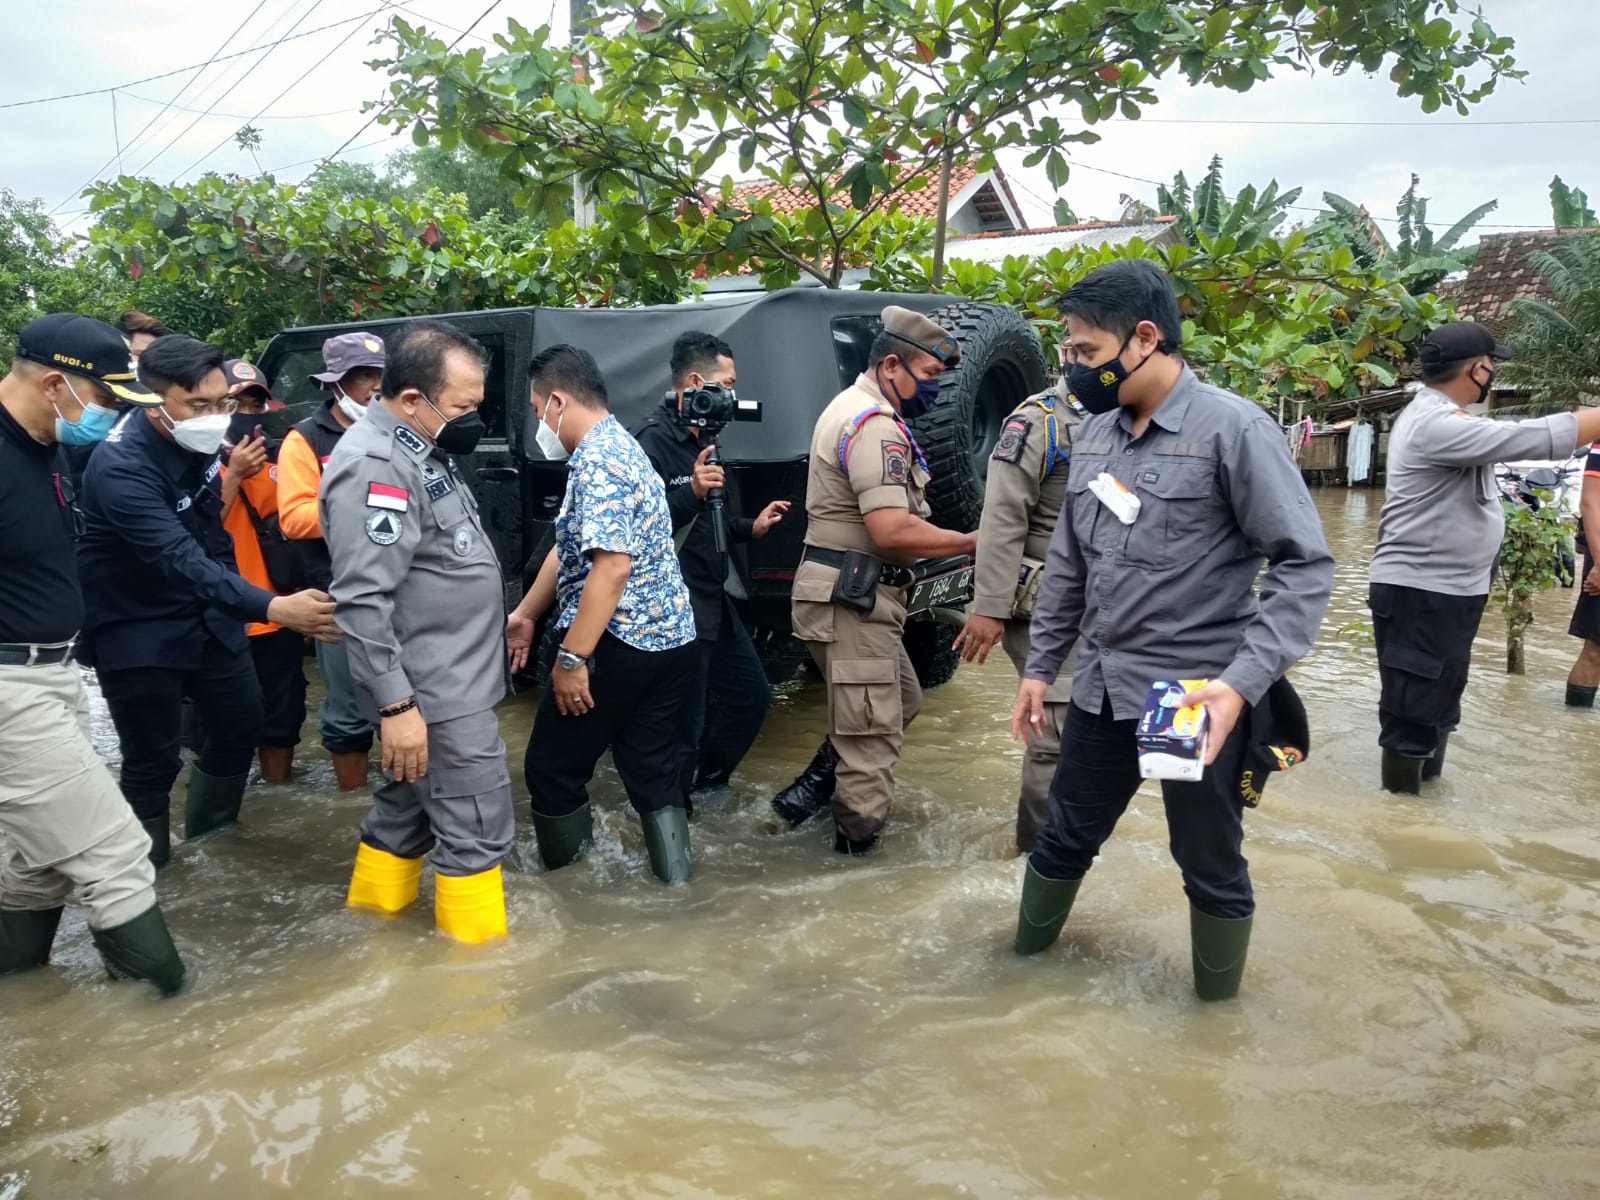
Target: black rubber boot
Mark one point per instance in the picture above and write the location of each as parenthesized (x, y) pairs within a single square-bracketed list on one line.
[(853, 846), (562, 839), (160, 831), (211, 803), (707, 778), (142, 949), (1433, 767), (666, 838), (26, 937), (1043, 911), (1580, 697), (1402, 775), (812, 791), (1219, 945)]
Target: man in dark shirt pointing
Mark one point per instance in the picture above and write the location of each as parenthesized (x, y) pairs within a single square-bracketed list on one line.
[(63, 823)]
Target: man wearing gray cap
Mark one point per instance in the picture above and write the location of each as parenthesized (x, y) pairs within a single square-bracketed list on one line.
[(1438, 539), (354, 363), (866, 524)]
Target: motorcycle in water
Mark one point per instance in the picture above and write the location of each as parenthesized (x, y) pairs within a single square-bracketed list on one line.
[(1534, 487)]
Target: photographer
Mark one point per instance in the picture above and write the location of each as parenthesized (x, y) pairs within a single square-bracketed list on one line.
[(727, 663)]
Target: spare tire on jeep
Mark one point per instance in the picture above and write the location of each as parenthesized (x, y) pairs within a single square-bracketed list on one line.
[(1002, 364)]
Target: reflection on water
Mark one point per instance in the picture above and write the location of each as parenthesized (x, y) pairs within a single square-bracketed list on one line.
[(1420, 1016)]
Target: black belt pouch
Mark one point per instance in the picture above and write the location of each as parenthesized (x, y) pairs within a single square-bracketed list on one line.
[(857, 585)]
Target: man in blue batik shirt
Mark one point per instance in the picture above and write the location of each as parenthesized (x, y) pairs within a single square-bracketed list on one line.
[(626, 659)]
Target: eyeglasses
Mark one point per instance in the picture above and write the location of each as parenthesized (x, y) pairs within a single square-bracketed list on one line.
[(212, 408), (67, 496)]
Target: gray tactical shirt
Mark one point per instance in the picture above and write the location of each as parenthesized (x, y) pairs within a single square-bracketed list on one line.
[(416, 584), (1173, 594), (1442, 521)]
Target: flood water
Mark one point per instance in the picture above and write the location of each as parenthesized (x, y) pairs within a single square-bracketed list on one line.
[(1420, 1016)]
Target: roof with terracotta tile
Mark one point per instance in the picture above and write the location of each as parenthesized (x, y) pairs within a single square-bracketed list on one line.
[(998, 244), (1503, 271), (921, 203)]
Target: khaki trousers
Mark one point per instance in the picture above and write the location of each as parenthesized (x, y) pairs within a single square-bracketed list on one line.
[(873, 696), (1040, 757), (63, 819)]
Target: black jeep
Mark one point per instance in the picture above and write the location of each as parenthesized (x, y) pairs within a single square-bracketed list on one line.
[(796, 349)]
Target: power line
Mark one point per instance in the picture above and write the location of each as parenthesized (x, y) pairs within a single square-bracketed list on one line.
[(337, 112)]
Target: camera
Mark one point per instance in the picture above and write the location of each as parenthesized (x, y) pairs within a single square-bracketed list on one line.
[(712, 406)]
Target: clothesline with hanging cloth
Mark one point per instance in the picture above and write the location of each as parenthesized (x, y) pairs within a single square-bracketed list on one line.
[(1358, 453)]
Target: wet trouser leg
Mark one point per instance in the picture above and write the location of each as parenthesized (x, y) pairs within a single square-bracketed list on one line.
[(1098, 775), (227, 704), (692, 716), (1424, 642), (873, 696), (638, 695), (279, 659), (65, 821), (1040, 756), (738, 684), (344, 729), (460, 809), (146, 707)]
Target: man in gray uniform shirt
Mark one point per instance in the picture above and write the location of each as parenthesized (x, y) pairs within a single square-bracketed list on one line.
[(1169, 595), (1438, 539), (420, 602)]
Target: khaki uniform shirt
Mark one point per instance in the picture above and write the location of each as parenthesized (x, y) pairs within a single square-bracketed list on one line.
[(417, 585)]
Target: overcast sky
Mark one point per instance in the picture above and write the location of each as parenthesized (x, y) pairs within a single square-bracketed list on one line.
[(50, 150)]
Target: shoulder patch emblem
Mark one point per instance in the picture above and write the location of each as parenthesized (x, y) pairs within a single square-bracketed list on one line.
[(1013, 439), (896, 465), (410, 439), (383, 527)]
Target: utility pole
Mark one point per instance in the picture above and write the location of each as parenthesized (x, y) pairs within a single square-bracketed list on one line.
[(582, 197)]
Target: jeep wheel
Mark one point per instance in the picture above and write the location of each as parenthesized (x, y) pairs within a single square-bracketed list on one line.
[(928, 644), (1002, 364)]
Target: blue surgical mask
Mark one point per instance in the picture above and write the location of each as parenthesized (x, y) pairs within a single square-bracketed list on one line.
[(92, 425)]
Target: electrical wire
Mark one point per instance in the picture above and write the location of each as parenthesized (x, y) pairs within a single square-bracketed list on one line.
[(336, 112)]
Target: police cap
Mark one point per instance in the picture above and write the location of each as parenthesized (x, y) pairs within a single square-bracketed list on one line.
[(925, 334)]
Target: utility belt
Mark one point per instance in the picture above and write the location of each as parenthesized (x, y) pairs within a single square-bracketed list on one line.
[(32, 654), (1029, 576), (930, 584)]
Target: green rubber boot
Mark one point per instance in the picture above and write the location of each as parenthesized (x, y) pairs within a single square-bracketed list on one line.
[(142, 949), (160, 831), (666, 837), (211, 802), (1219, 946), (562, 839), (26, 938), (1044, 909)]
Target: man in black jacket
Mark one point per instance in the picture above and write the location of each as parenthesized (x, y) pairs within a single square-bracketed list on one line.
[(728, 663)]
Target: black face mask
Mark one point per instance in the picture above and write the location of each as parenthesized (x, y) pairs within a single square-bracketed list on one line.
[(1483, 388), (1098, 388), (241, 426), (458, 435)]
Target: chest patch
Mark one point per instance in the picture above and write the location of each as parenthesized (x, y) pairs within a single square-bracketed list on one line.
[(463, 542), (1013, 440), (436, 483), (896, 463), (410, 440), (383, 527)]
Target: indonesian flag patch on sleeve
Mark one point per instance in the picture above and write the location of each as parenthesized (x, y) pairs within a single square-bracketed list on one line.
[(386, 495)]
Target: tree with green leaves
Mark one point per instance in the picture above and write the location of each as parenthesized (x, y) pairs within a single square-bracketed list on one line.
[(1208, 209), (1418, 258), (1569, 207), (1555, 342), (850, 107), (1531, 561)]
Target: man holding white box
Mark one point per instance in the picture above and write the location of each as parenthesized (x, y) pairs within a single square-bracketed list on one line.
[(1160, 590)]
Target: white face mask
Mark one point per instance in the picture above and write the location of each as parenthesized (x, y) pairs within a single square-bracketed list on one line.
[(200, 435), (348, 406), (549, 440)]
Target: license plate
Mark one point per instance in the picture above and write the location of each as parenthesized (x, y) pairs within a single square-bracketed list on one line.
[(946, 589)]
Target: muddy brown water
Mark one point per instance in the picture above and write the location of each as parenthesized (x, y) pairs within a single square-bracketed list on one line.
[(1420, 1017)]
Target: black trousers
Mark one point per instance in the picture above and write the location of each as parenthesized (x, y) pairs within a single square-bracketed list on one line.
[(146, 706), (279, 659), (1097, 776), (638, 696), (1424, 656), (727, 703)]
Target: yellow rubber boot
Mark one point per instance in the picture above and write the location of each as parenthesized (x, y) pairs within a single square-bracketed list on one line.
[(382, 880), (470, 908)]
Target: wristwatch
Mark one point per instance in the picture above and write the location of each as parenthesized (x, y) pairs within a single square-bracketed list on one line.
[(568, 661)]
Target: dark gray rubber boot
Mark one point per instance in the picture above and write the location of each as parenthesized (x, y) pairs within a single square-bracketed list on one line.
[(211, 802), (142, 949), (26, 937), (666, 837), (160, 831), (854, 847), (562, 839), (1043, 911), (1434, 767), (1402, 775), (1580, 697), (812, 791), (1219, 945)]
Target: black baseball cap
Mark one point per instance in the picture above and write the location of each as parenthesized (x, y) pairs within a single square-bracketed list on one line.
[(1457, 341), (81, 345)]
